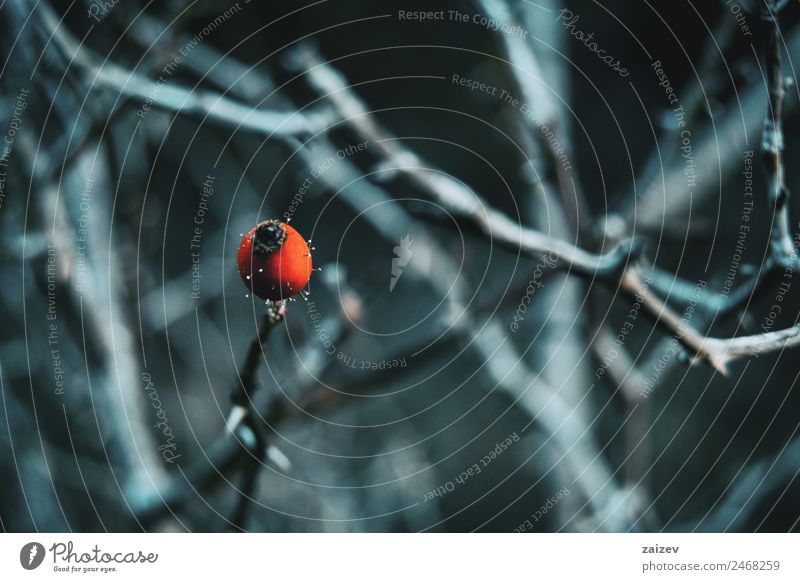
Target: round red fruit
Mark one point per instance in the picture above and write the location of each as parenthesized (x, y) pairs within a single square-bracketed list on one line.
[(274, 260)]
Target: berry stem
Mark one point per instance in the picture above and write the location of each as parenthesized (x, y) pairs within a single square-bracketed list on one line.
[(241, 396), (240, 414)]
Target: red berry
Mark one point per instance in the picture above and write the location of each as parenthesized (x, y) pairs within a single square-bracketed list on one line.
[(274, 260)]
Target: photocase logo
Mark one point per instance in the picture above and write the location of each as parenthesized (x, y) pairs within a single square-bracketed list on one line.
[(31, 555), (403, 254)]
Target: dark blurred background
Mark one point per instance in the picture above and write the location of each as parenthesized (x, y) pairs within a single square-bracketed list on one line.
[(121, 340)]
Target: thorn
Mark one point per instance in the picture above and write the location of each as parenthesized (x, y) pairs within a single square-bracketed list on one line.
[(235, 418), (277, 456)]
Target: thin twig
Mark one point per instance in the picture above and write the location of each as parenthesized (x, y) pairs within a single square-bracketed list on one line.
[(772, 143), (753, 345), (719, 352), (685, 333), (242, 394)]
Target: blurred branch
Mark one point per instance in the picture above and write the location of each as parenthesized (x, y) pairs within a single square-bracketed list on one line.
[(587, 468), (103, 332), (695, 101), (450, 193), (543, 93), (631, 384), (546, 406), (221, 70), (528, 77), (222, 457), (248, 445), (247, 437), (184, 100), (249, 479), (749, 489), (242, 412), (251, 431), (615, 269), (665, 198)]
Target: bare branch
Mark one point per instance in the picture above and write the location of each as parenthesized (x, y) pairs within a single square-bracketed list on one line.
[(772, 143), (452, 194), (614, 269), (529, 79), (753, 345), (665, 200), (242, 394), (185, 100), (460, 201), (685, 333)]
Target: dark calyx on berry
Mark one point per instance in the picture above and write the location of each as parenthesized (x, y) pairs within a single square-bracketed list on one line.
[(269, 237)]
